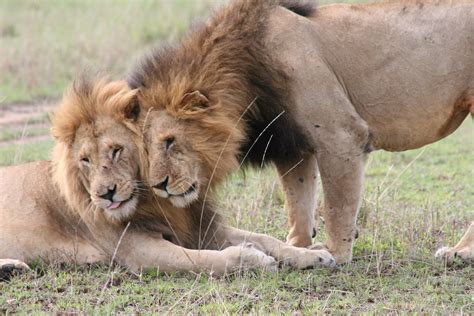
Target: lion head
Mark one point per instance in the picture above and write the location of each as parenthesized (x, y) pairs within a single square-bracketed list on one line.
[(97, 156), (191, 146)]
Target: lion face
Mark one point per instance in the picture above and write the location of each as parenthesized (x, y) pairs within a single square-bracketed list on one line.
[(106, 157), (176, 169), (191, 145), (99, 151)]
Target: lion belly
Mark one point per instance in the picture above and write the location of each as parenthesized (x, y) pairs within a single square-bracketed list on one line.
[(409, 81)]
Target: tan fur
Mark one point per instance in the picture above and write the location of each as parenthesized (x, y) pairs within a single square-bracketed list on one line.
[(319, 92), (464, 249), (68, 221)]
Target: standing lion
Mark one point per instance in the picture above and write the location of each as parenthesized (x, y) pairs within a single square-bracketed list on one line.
[(308, 90)]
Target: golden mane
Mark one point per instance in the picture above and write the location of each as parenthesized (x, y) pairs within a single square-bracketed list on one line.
[(85, 100), (228, 64), (84, 103)]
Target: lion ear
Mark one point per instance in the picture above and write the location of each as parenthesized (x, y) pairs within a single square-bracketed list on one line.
[(194, 102), (132, 110)]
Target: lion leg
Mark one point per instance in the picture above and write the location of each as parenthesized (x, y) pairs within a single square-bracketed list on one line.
[(341, 147), (298, 179), (9, 267), (464, 249), (299, 258), (138, 251), (342, 179)]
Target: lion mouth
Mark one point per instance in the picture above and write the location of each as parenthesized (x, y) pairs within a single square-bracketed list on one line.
[(117, 204), (181, 199), (186, 198), (189, 191)]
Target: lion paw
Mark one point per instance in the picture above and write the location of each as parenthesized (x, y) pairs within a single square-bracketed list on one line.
[(10, 267), (449, 254), (301, 258), (247, 257)]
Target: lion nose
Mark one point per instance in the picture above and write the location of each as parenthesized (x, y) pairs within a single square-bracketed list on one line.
[(110, 194), (162, 185)]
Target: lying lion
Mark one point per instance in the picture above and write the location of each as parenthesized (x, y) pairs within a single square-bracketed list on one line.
[(306, 89), (89, 204)]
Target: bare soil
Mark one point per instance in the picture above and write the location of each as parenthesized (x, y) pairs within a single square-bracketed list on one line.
[(22, 122)]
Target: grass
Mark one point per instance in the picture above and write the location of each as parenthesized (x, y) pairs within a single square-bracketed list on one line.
[(44, 45), (414, 201), (11, 134), (25, 152)]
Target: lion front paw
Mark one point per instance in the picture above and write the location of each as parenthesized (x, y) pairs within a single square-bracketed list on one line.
[(343, 256), (301, 258), (10, 267), (247, 257), (449, 254)]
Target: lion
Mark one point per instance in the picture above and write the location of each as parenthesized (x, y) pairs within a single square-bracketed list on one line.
[(309, 90), (89, 203)]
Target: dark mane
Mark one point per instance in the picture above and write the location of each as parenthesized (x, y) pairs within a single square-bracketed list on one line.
[(136, 78), (300, 7), (226, 60)]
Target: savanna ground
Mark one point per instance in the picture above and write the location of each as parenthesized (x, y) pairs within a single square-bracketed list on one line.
[(415, 201)]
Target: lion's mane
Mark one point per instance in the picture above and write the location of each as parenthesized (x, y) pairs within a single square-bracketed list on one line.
[(249, 118), (83, 103)]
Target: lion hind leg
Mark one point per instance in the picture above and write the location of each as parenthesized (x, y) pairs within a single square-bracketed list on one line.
[(464, 249), (10, 267)]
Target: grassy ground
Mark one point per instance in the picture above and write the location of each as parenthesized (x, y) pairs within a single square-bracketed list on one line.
[(45, 44), (415, 201)]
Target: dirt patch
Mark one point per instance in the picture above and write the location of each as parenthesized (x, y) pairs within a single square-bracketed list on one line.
[(22, 122)]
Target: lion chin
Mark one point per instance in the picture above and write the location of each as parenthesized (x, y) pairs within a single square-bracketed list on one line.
[(123, 212), (180, 200)]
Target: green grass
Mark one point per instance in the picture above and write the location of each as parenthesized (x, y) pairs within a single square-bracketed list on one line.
[(44, 45), (12, 134), (25, 152), (414, 201), (407, 286)]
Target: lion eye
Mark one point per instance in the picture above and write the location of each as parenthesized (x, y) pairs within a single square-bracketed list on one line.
[(116, 153), (169, 142), (85, 160)]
